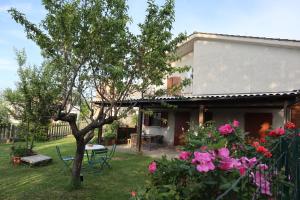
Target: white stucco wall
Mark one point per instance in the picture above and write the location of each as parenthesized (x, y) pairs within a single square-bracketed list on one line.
[(236, 67), (167, 132), (186, 60)]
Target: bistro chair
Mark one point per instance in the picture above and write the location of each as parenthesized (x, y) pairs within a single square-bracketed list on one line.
[(67, 160), (105, 160), (96, 156)]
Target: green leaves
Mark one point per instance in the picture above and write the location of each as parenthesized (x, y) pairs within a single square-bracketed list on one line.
[(90, 48), (34, 97)]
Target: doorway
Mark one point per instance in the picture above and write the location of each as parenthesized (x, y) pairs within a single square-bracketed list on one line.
[(182, 122), (257, 124)]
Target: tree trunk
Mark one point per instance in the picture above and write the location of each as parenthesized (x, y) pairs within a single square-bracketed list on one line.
[(99, 134), (80, 146)]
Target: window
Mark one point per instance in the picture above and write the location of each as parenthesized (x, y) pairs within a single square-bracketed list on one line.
[(172, 82), (156, 119)]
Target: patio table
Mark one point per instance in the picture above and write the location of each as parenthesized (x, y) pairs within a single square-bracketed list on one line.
[(92, 147)]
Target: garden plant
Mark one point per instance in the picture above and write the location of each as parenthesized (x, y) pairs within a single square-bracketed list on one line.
[(212, 162)]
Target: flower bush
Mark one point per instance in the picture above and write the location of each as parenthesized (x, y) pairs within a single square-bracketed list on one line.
[(211, 162)]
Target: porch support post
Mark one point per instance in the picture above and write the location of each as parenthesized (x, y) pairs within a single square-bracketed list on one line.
[(201, 115), (139, 129), (286, 112)]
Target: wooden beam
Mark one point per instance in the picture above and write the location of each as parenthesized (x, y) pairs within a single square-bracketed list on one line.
[(286, 112), (139, 129), (201, 115)]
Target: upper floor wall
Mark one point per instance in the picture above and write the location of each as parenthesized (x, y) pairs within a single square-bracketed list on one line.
[(233, 65)]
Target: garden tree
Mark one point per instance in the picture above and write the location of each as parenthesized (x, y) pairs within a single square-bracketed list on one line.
[(32, 100), (4, 114), (94, 53)]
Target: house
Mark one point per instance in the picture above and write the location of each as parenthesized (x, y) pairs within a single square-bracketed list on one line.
[(254, 80)]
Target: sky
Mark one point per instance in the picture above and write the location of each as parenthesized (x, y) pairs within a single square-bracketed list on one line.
[(266, 18)]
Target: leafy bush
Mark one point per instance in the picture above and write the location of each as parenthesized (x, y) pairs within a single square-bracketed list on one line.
[(20, 151), (111, 130), (212, 161)]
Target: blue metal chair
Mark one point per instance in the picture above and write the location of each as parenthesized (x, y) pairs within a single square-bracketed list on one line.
[(67, 160), (106, 159), (96, 156)]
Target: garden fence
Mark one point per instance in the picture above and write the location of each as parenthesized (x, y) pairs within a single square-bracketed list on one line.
[(55, 131), (8, 132), (62, 129), (58, 130), (284, 166)]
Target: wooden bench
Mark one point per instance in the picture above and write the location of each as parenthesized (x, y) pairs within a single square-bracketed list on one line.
[(36, 159)]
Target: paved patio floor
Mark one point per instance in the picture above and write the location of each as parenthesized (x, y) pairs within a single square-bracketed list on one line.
[(156, 152)]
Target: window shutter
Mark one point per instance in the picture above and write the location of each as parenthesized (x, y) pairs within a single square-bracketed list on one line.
[(164, 119), (169, 82), (176, 80), (146, 119)]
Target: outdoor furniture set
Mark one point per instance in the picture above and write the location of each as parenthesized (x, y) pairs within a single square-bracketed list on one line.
[(96, 155)]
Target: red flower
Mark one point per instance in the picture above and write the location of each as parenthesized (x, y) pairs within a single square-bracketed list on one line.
[(277, 132), (261, 149), (133, 193), (268, 154), (255, 144), (262, 140), (203, 148), (289, 125)]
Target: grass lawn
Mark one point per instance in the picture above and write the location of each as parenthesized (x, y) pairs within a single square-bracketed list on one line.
[(128, 173)]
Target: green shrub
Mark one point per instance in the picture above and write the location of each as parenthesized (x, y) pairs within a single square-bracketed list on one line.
[(211, 162), (20, 151)]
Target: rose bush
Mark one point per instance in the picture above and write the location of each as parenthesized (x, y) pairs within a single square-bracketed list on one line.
[(211, 162)]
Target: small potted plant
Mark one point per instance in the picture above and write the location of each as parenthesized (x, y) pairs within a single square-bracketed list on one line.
[(19, 151), (110, 133), (109, 139)]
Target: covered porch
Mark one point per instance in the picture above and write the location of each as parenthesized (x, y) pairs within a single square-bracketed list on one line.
[(256, 113)]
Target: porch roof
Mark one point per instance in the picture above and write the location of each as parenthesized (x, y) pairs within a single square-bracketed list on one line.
[(255, 99)]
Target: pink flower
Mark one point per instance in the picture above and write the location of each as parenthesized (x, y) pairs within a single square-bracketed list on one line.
[(252, 162), (184, 155), (248, 163), (245, 163), (228, 163), (204, 161), (223, 153), (205, 167), (235, 123), (242, 171), (262, 166), (260, 181), (152, 167), (226, 129)]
